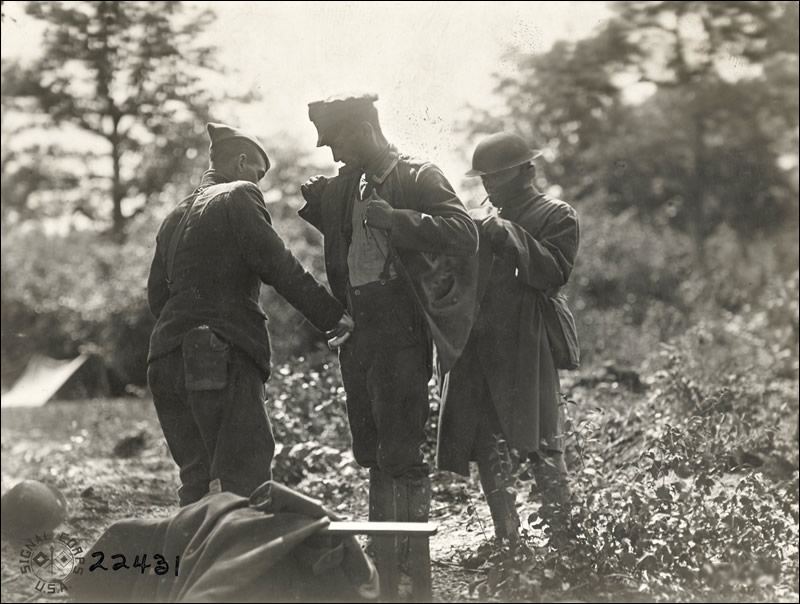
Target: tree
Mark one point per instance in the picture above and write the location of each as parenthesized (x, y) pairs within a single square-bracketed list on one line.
[(124, 74), (695, 49), (672, 108)]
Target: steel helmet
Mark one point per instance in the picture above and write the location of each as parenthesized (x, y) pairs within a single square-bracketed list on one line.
[(501, 151), (32, 507)]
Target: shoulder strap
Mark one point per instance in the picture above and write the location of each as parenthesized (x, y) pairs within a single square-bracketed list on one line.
[(178, 234)]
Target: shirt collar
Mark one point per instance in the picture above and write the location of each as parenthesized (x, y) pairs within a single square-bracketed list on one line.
[(212, 177)]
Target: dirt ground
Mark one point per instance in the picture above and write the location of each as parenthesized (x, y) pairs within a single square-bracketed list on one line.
[(674, 504), (109, 459)]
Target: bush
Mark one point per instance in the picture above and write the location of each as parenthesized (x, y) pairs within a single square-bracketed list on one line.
[(690, 491), (627, 287), (63, 295), (636, 285)]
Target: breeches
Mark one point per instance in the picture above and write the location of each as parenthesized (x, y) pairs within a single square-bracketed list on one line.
[(222, 434), (385, 374)]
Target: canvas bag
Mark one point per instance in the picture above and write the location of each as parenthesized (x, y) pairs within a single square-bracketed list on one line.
[(561, 331)]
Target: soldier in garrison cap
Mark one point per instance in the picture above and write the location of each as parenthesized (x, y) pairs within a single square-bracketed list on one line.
[(504, 390), (209, 351), (400, 254)]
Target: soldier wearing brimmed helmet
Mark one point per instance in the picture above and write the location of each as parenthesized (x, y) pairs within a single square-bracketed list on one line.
[(499, 152), (209, 352), (399, 252), (504, 390)]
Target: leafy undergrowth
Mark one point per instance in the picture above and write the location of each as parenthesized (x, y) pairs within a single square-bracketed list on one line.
[(684, 481), (684, 475)]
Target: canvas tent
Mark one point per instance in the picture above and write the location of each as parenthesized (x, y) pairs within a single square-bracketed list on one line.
[(42, 379)]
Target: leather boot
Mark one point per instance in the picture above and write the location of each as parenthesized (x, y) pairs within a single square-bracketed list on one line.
[(550, 472), (504, 514), (494, 472), (382, 501), (418, 505)]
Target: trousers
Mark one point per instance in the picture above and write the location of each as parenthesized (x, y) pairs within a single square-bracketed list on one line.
[(385, 372), (222, 434)]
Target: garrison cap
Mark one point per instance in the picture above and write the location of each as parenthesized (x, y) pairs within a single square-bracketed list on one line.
[(220, 133), (335, 112)]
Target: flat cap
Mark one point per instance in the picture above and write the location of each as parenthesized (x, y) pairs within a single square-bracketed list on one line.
[(220, 133), (334, 112)]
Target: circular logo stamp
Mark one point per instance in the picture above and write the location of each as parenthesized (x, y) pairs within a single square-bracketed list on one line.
[(52, 560)]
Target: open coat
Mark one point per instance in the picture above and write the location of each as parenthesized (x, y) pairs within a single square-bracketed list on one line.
[(432, 235)]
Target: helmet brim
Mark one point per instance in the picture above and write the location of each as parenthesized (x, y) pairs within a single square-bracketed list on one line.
[(535, 153)]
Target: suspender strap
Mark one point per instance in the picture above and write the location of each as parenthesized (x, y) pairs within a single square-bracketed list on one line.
[(386, 272)]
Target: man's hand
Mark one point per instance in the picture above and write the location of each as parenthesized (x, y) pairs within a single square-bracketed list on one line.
[(494, 229), (379, 213), (341, 333), (312, 189)]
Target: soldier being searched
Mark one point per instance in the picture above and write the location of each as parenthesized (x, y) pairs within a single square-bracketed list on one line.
[(399, 251)]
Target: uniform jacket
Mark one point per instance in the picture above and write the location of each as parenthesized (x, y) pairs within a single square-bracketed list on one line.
[(228, 248), (432, 234), (509, 337)]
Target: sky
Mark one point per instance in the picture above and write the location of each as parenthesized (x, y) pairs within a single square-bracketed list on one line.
[(427, 61)]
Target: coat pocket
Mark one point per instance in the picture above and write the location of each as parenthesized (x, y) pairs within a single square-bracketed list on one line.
[(205, 360), (561, 331)]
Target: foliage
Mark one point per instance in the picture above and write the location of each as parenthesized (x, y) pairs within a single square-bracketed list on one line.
[(306, 406), (689, 492), (626, 285), (630, 293), (673, 131), (121, 81), (80, 292), (676, 109)]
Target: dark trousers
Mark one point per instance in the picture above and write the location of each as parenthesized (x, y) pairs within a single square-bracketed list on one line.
[(212, 435), (385, 374)]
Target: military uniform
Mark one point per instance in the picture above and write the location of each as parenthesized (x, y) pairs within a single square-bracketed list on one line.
[(504, 390), (209, 351)]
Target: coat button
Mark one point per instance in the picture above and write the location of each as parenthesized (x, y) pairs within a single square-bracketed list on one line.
[(455, 299), (357, 292)]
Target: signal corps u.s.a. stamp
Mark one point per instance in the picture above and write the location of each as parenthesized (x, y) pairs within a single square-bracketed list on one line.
[(52, 560)]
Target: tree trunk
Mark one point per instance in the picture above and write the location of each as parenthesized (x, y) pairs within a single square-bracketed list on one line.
[(117, 194), (696, 189)]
